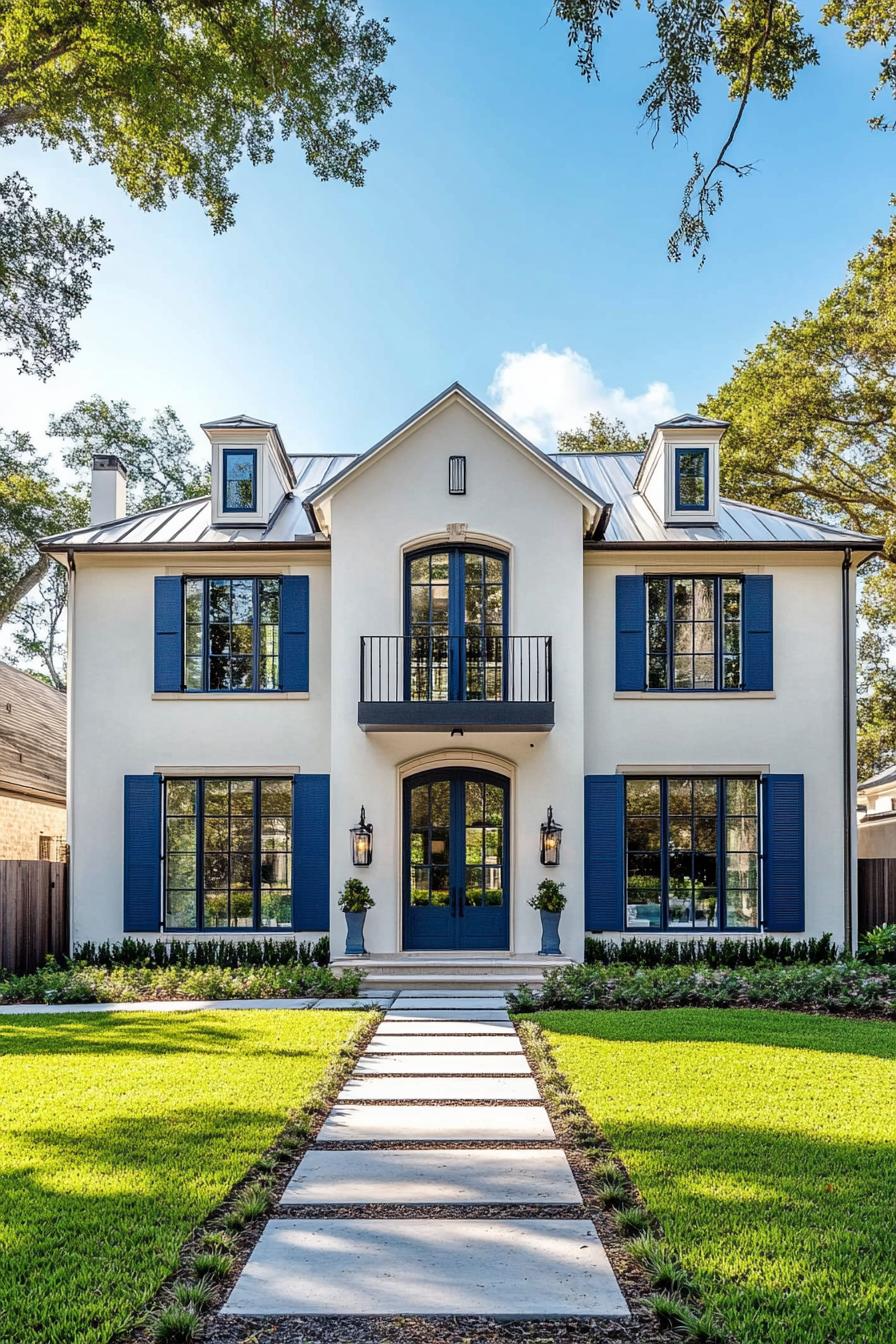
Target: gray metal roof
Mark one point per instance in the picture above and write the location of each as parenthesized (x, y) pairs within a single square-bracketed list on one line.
[(691, 420), (606, 476), (633, 521), (887, 776), (241, 421)]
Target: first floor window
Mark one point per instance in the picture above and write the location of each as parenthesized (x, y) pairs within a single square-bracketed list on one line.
[(231, 634), (228, 853), (692, 853), (694, 628)]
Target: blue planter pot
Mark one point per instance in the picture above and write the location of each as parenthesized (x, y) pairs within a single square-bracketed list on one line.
[(354, 933), (550, 933)]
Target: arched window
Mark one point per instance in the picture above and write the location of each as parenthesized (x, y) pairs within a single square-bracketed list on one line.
[(456, 623)]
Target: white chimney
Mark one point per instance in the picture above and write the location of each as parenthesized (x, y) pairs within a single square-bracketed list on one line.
[(108, 489)]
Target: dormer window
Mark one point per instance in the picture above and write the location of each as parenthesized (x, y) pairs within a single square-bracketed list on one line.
[(239, 471), (692, 478)]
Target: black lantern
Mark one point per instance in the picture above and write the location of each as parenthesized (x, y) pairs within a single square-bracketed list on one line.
[(551, 833), (362, 842)]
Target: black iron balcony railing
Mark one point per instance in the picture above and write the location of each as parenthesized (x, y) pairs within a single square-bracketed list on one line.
[(446, 669)]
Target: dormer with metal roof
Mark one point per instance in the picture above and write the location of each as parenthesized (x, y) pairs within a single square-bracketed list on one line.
[(251, 471), (679, 476)]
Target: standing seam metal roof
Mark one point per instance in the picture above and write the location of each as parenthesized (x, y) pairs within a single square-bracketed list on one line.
[(608, 476)]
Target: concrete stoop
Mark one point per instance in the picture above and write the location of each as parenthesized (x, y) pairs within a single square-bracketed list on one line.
[(447, 971)]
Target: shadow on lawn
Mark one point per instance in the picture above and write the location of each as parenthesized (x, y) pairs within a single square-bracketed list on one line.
[(92, 1227), (741, 1026), (789, 1232), (190, 1033)]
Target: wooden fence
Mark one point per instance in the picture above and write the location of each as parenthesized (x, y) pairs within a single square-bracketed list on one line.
[(877, 893), (33, 912)]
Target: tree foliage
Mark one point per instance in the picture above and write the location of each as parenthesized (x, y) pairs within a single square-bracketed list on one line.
[(813, 431), (751, 46), (601, 435), (171, 95), (158, 453)]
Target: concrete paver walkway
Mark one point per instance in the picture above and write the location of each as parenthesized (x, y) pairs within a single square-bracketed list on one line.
[(429, 1063)]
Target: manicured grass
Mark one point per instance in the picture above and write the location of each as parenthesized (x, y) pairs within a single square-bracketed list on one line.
[(765, 1143), (118, 1135)]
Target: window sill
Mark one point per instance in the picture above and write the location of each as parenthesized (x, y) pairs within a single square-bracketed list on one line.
[(231, 695), (694, 695)]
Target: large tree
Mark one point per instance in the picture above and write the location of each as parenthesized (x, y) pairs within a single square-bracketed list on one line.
[(813, 431), (158, 453), (750, 47), (171, 95), (601, 435)]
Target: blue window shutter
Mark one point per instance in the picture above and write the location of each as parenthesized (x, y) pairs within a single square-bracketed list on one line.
[(758, 638), (311, 853), (604, 852), (142, 853), (784, 868), (631, 636), (294, 632), (169, 635)]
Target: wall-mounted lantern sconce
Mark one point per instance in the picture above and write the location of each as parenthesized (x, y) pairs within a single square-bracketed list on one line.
[(551, 835), (362, 842)]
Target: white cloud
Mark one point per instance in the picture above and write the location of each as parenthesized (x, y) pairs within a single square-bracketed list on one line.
[(545, 391)]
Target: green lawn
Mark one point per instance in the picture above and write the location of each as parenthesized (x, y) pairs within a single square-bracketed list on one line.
[(765, 1143), (119, 1133)]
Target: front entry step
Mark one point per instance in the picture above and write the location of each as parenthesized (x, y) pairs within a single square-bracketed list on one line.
[(441, 972)]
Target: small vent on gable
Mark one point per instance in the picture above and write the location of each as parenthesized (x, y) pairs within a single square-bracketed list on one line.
[(457, 475)]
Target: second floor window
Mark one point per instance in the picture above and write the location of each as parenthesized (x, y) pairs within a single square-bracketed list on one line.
[(694, 633), (232, 634), (692, 478)]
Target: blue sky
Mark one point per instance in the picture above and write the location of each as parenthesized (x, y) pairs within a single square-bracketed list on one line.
[(510, 208)]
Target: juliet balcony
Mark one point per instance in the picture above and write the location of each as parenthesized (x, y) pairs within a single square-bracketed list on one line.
[(456, 683)]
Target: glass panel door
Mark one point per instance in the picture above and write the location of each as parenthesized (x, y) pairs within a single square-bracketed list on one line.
[(455, 860), (454, 622)]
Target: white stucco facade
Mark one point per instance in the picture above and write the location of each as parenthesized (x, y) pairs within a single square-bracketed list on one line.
[(350, 536)]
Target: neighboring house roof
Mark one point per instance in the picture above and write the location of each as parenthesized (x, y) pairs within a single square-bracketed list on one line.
[(32, 736), (882, 778), (605, 482)]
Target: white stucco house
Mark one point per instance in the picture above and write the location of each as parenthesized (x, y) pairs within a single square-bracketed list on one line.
[(467, 637)]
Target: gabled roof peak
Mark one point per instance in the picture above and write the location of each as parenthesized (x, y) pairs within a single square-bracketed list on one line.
[(690, 420), (241, 421)]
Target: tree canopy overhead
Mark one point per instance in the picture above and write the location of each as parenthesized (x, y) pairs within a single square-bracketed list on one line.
[(751, 46), (171, 95)]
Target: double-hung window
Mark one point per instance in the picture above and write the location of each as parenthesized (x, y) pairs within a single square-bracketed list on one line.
[(228, 853), (231, 634), (692, 852), (694, 633)]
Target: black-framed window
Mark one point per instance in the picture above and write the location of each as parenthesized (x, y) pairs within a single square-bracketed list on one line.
[(231, 634), (239, 476), (692, 852), (692, 478), (228, 853), (694, 633)]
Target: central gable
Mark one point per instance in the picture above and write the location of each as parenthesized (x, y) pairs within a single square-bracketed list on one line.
[(458, 455)]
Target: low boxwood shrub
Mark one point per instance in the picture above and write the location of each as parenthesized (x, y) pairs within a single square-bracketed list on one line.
[(842, 987), (231, 953), (710, 951), (80, 982)]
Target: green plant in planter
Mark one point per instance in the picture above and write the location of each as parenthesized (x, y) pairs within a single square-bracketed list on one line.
[(355, 900), (549, 901), (549, 896), (355, 897)]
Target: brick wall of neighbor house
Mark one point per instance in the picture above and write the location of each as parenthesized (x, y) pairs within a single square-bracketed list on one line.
[(23, 821)]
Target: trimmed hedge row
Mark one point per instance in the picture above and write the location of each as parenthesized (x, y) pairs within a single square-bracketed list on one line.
[(690, 951), (211, 952), (841, 987), (82, 983)]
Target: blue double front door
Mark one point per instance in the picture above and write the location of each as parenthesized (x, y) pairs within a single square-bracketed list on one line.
[(455, 861)]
